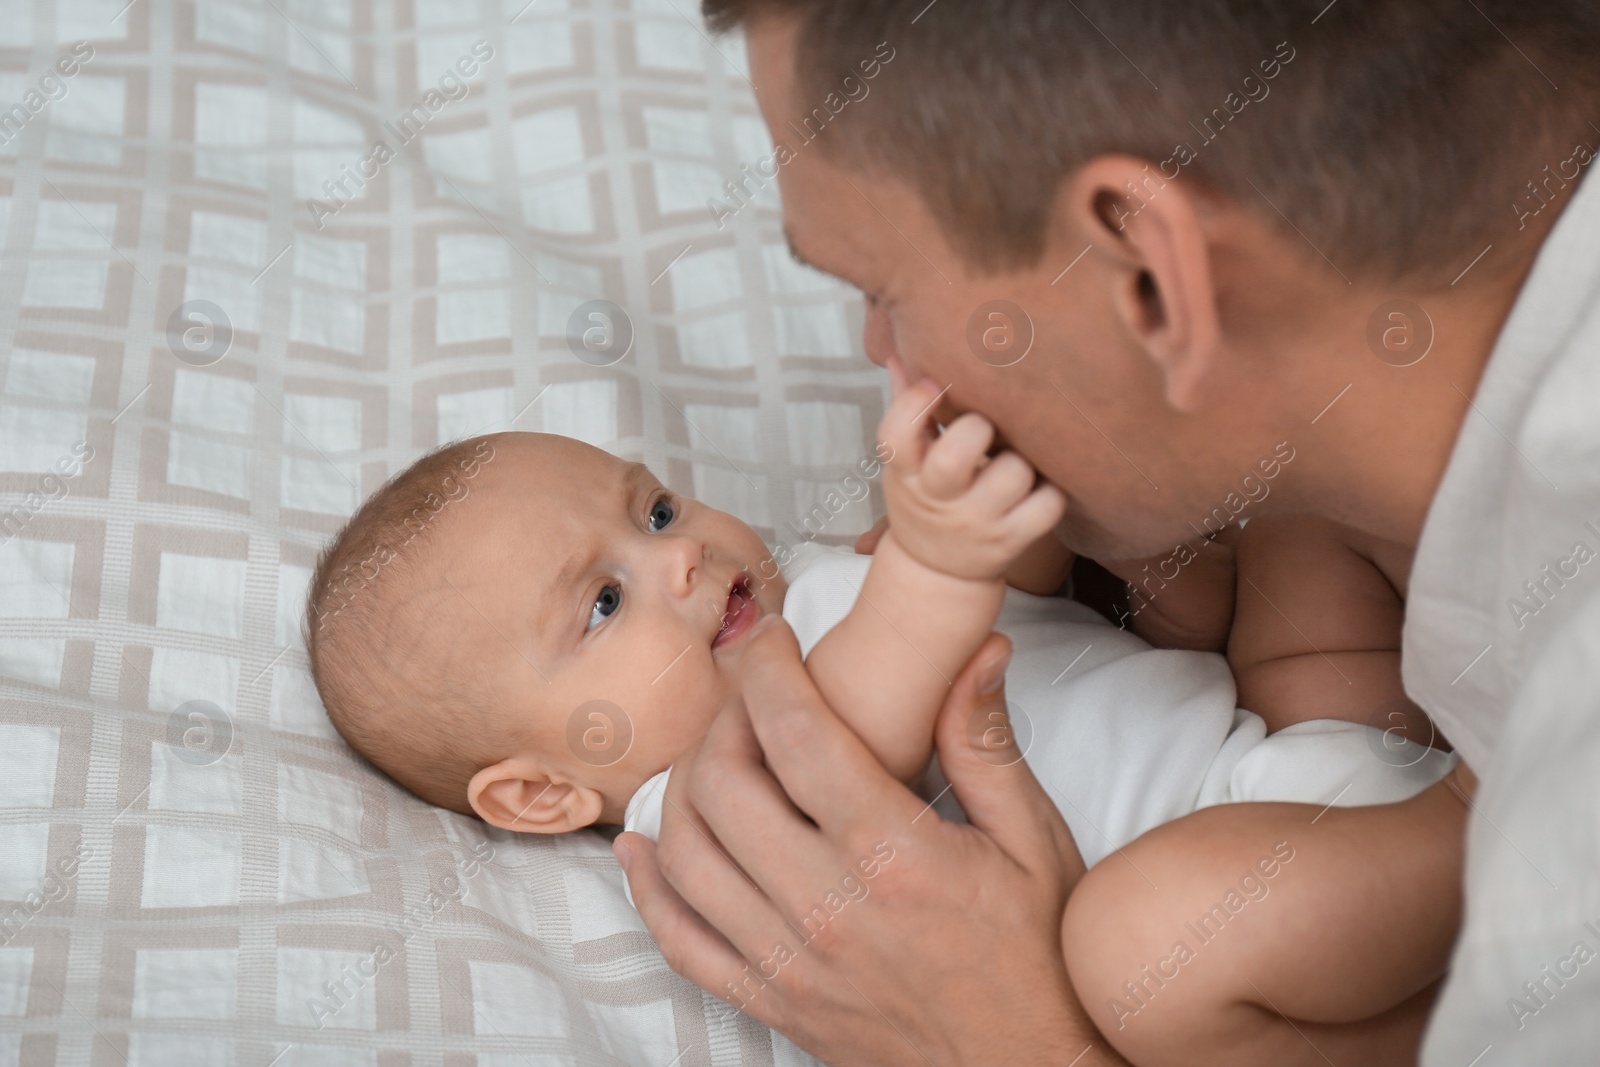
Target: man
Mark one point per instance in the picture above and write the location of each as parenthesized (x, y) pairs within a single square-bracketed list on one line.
[(1362, 228)]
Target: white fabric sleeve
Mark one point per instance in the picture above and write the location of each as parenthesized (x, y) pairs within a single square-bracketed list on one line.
[(1525, 977), (643, 813), (823, 592)]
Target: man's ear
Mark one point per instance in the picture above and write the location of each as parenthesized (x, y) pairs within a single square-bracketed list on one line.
[(514, 794), (1151, 228)]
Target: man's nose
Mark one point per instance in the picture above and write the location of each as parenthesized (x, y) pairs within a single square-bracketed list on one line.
[(878, 335)]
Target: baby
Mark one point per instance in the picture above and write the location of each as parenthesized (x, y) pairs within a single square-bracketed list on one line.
[(525, 628)]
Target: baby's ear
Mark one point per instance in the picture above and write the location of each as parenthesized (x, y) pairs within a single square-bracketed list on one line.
[(516, 795)]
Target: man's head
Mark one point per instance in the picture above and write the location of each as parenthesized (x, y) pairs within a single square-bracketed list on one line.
[(1194, 210), (525, 626)]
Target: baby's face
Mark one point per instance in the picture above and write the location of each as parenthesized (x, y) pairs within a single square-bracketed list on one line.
[(609, 600)]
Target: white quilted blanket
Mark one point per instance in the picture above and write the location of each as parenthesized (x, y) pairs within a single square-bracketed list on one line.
[(256, 255)]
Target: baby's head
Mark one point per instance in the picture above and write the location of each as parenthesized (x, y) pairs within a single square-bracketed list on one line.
[(526, 627)]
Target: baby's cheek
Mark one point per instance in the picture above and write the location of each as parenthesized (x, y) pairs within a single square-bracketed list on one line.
[(674, 714)]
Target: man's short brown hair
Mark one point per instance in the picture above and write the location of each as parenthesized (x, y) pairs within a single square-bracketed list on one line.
[(1399, 137)]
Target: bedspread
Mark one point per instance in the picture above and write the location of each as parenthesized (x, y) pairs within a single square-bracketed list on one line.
[(257, 256)]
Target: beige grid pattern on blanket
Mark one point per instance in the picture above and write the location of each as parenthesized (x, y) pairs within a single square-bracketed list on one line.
[(223, 322)]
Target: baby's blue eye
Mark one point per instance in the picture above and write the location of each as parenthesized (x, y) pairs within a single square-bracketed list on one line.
[(605, 605), (661, 513)]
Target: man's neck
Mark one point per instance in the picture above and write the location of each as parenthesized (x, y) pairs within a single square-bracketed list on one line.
[(1374, 459)]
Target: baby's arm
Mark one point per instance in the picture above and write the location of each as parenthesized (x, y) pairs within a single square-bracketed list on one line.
[(957, 522), (1184, 598), (1042, 568), (1316, 633)]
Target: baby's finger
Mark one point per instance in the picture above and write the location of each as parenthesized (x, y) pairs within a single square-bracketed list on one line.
[(867, 543), (899, 377), (951, 461), (907, 426), (1003, 483), (1038, 514)]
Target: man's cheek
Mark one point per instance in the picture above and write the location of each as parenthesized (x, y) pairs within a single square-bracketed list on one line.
[(1001, 442), (947, 411)]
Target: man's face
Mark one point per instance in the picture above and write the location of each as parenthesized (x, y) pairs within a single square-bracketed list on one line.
[(1085, 404)]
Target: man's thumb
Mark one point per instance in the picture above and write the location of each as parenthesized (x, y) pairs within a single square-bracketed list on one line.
[(980, 755), (978, 747)]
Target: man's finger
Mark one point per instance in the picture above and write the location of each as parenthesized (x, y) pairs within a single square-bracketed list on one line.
[(708, 879), (690, 945), (728, 886), (818, 761), (980, 758)]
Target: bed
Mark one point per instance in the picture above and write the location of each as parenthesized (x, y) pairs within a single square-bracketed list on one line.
[(226, 316)]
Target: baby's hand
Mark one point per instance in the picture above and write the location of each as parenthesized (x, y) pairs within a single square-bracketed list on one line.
[(951, 506)]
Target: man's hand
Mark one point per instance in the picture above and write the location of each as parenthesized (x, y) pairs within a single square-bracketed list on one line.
[(801, 882)]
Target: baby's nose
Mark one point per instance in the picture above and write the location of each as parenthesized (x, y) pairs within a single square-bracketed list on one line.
[(687, 565)]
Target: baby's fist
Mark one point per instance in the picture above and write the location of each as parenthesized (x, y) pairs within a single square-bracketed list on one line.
[(952, 506)]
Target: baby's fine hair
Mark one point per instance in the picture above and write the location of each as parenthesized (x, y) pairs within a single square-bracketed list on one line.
[(361, 630)]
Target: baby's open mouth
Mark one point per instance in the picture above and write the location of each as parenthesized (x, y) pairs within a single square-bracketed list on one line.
[(741, 613)]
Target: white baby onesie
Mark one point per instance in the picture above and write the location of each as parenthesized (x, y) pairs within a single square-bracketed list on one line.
[(1123, 736)]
